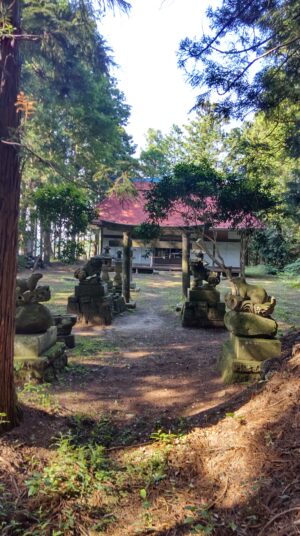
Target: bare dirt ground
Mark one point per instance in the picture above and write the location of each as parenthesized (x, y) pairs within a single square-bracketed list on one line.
[(158, 369), (190, 454)]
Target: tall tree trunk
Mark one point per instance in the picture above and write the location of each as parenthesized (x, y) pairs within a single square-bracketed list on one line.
[(47, 246), (9, 207), (41, 245)]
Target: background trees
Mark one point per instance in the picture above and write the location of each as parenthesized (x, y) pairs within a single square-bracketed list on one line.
[(204, 197), (54, 56), (77, 131), (250, 57)]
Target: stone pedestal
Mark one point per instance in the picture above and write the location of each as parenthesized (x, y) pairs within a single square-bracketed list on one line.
[(91, 303), (203, 308), (30, 346), (39, 357), (251, 343), (64, 325)]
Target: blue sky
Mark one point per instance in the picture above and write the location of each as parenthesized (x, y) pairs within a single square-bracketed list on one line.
[(144, 45)]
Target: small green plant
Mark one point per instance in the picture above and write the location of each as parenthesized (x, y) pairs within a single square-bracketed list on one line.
[(74, 472), (83, 429), (3, 418), (39, 394), (148, 471), (92, 347), (165, 437), (201, 520)]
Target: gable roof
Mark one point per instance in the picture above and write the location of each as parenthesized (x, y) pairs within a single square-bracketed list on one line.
[(131, 212)]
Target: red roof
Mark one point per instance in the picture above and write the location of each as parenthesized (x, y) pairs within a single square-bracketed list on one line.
[(132, 212)]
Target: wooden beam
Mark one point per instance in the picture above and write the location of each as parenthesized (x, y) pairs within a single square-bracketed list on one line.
[(126, 267)]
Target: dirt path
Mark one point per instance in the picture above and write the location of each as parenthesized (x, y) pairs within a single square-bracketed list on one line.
[(158, 371)]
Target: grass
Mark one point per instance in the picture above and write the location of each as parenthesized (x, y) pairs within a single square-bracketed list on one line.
[(38, 394), (77, 489), (94, 347)]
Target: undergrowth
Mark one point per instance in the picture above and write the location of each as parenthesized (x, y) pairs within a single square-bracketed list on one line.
[(76, 491)]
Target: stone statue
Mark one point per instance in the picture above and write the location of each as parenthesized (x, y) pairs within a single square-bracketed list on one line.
[(203, 307), (200, 272), (249, 298), (252, 332), (31, 315), (91, 301), (28, 284), (92, 269)]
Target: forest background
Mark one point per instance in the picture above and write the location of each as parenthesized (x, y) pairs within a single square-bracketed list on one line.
[(63, 130)]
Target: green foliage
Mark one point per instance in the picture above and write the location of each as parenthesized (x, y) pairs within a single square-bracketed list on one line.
[(244, 37), (271, 246), (39, 394), (92, 469), (207, 196), (77, 132), (67, 211), (71, 251), (162, 152), (165, 437), (293, 268), (146, 232), (92, 347), (21, 262)]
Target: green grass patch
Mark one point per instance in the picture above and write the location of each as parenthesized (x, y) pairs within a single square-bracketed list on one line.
[(92, 347)]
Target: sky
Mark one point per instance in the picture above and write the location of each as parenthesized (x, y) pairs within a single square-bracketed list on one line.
[(144, 45)]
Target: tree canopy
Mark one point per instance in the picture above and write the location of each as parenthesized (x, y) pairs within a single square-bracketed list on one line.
[(250, 58)]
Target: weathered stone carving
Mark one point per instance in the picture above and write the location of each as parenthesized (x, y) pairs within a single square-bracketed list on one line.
[(38, 354), (91, 303), (31, 315), (64, 325), (249, 298), (252, 332), (203, 307), (91, 269)]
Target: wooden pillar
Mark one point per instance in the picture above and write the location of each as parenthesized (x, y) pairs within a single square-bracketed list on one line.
[(126, 267), (186, 246), (96, 242), (100, 246)]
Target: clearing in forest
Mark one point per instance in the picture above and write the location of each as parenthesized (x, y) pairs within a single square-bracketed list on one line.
[(140, 435)]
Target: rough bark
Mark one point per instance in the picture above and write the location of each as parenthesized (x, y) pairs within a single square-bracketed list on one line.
[(9, 208), (47, 246)]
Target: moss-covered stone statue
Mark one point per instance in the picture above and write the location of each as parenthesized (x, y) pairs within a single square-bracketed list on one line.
[(38, 354), (203, 307), (31, 315), (252, 332), (91, 302)]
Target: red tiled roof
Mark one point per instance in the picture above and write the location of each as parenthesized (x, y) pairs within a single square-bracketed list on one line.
[(131, 212)]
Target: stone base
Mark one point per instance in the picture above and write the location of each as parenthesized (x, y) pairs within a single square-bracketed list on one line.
[(64, 323), (130, 305), (93, 290), (30, 346), (201, 314), (119, 305), (255, 349), (43, 368), (242, 359), (91, 310), (202, 294)]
